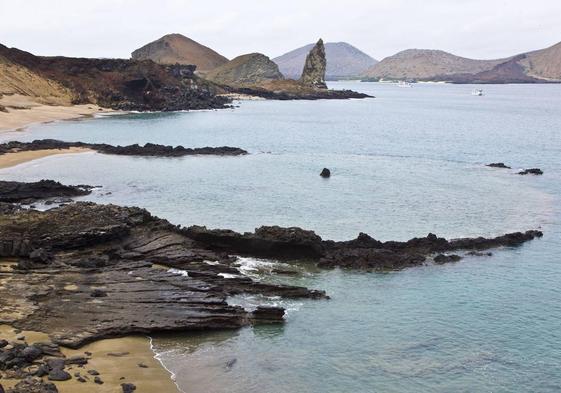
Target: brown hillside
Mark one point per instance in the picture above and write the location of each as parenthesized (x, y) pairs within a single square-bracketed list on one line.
[(178, 49)]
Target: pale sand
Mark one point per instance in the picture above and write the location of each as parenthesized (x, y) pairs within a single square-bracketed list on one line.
[(154, 378), (30, 112), (12, 159)]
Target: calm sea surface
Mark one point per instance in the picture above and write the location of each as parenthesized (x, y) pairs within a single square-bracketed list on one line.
[(404, 164)]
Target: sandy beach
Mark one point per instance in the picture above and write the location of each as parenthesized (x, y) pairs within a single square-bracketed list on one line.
[(23, 111), (119, 360), (12, 159)]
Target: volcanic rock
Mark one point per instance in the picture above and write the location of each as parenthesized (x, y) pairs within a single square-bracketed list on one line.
[(498, 165), (313, 74), (245, 70), (325, 173), (531, 171), (12, 191)]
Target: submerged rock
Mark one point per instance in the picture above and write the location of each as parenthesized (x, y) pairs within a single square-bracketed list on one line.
[(315, 66), (325, 173), (498, 165), (531, 171)]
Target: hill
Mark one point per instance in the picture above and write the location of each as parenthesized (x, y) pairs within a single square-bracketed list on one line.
[(245, 70), (343, 61), (16, 79), (544, 63), (178, 49), (116, 83), (427, 64)]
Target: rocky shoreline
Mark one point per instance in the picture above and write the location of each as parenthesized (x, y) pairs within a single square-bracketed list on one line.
[(82, 272), (148, 150)]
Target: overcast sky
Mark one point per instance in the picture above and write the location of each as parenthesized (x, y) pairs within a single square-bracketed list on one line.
[(114, 28)]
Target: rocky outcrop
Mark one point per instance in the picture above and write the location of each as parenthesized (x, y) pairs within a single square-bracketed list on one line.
[(315, 66), (325, 173), (114, 256), (148, 150), (12, 191), (122, 84), (531, 171), (498, 165), (363, 253), (285, 90), (246, 70), (344, 61)]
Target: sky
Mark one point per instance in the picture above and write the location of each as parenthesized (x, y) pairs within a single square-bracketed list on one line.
[(114, 28)]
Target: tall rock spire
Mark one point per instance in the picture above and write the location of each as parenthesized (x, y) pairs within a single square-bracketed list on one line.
[(313, 74)]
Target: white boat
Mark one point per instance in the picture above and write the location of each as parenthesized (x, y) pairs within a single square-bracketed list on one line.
[(477, 92), (404, 84)]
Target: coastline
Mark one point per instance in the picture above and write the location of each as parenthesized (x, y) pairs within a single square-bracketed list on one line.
[(23, 111), (137, 364), (9, 160)]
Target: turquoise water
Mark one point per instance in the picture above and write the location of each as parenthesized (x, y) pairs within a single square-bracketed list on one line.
[(404, 164)]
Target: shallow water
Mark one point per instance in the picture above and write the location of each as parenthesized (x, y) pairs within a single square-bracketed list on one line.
[(404, 164)]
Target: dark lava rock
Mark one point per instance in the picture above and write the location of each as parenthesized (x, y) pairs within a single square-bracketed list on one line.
[(498, 165), (124, 84), (268, 314), (40, 256), (3, 343), (56, 364), (531, 171), (98, 380), (98, 293), (80, 379), (128, 387), (78, 360), (93, 372), (480, 254), (325, 173), (443, 258), (2, 387), (13, 191), (145, 299), (33, 385), (59, 375), (142, 365)]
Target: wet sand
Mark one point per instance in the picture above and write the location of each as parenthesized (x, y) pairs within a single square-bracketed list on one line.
[(12, 159), (122, 367)]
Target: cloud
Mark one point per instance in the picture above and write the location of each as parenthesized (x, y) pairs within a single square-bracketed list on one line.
[(103, 28)]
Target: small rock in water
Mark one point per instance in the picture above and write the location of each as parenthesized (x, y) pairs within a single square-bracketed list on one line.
[(442, 258), (531, 171), (93, 372), (498, 165), (142, 365), (98, 380), (325, 173)]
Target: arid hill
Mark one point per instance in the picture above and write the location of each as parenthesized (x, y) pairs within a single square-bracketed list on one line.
[(539, 66), (544, 63), (245, 70), (122, 84), (343, 61), (178, 49), (425, 64), (17, 79)]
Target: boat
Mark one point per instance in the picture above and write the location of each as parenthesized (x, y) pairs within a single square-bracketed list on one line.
[(404, 84), (477, 92)]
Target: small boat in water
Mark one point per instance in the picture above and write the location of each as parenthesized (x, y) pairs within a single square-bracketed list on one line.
[(404, 84), (477, 92)]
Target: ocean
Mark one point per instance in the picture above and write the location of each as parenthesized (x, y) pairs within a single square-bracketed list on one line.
[(406, 163)]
